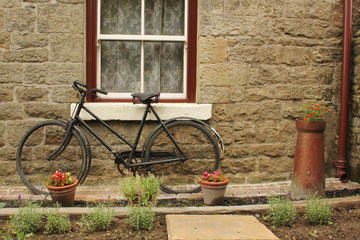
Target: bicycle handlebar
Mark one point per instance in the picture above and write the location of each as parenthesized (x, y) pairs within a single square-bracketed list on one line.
[(77, 84)]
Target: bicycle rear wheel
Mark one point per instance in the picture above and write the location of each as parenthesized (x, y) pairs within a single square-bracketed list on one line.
[(200, 148), (39, 143)]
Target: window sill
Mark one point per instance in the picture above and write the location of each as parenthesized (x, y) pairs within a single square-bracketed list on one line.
[(131, 112)]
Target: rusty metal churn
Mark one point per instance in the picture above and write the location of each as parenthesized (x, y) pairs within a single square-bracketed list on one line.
[(309, 165)]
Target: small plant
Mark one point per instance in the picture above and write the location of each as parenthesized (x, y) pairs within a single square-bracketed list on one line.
[(141, 217), (56, 222), (282, 212), (318, 211), (314, 112), (99, 219), (141, 190), (217, 176), (59, 178), (28, 218)]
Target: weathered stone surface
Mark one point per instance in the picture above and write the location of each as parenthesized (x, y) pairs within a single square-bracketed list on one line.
[(17, 129), (11, 73), (2, 134), (238, 165), (53, 74), (20, 19), (213, 7), (4, 40), (30, 94), (27, 55), (6, 93), (64, 94), (60, 18), (275, 165), (66, 48), (212, 50), (44, 110), (10, 3), (21, 41), (11, 111)]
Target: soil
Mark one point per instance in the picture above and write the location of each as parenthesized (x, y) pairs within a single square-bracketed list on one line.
[(345, 225)]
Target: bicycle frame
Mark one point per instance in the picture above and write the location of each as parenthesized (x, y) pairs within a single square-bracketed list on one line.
[(127, 164)]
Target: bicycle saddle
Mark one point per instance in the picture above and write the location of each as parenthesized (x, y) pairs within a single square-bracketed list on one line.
[(146, 97)]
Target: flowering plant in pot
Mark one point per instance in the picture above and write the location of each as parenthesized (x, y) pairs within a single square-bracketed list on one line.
[(62, 187), (309, 164), (213, 186)]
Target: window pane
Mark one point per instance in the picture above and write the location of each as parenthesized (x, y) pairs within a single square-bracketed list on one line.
[(120, 66), (163, 67), (120, 17), (164, 17)]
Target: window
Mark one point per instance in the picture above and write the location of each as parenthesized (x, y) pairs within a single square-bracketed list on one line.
[(142, 46)]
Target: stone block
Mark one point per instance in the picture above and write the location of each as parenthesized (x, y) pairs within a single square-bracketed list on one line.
[(60, 18), (6, 93), (237, 150), (269, 149), (275, 165), (5, 40), (32, 94), (244, 7), (10, 3), (17, 129), (261, 93), (214, 94), (238, 165), (11, 73), (272, 8), (2, 134), (213, 7), (275, 131), (8, 154), (11, 111), (212, 50), (67, 48), (47, 111), (20, 19), (53, 74), (27, 55), (294, 56), (318, 10), (32, 40), (223, 112), (37, 1), (223, 74), (64, 94)]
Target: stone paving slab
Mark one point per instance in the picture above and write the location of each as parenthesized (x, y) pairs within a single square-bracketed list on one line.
[(216, 227)]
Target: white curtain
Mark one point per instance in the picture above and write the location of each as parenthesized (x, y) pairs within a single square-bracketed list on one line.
[(163, 61)]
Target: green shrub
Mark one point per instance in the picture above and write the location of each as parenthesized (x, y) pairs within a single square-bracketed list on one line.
[(99, 219), (141, 189), (318, 211), (141, 217), (28, 218), (56, 222), (281, 211)]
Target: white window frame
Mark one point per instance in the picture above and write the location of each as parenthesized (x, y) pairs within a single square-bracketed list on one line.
[(142, 38)]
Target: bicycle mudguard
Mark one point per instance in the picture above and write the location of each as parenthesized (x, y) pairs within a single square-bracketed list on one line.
[(194, 120)]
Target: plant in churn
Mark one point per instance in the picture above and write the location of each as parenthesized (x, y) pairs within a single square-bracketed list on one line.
[(315, 112)]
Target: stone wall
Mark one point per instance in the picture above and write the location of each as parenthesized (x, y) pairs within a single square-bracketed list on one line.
[(258, 60)]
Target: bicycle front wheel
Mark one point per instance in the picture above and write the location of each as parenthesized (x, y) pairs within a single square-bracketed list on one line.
[(40, 142), (200, 152)]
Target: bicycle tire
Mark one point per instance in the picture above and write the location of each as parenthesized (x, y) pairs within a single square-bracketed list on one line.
[(199, 146), (38, 143)]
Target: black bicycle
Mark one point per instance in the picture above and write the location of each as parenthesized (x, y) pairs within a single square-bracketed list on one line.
[(177, 150)]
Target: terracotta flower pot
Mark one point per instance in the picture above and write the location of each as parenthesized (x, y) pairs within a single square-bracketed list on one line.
[(213, 192), (64, 195), (309, 164)]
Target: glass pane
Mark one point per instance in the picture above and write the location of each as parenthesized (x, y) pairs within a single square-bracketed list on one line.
[(120, 17), (164, 17), (163, 67), (120, 66)]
